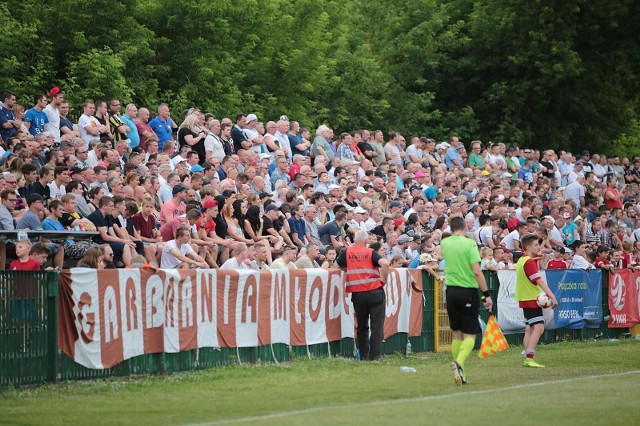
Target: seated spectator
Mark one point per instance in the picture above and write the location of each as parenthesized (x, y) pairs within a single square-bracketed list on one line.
[(30, 258), (178, 253), (103, 221), (286, 260), (238, 259), (93, 259), (310, 258)]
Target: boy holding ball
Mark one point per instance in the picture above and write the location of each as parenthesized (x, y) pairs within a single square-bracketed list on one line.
[(528, 285)]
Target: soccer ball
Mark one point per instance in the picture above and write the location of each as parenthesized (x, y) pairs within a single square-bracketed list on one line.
[(544, 301)]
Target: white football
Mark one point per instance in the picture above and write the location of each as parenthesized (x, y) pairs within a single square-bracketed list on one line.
[(544, 301)]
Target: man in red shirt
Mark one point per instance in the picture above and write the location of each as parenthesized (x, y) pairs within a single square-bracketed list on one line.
[(175, 206)]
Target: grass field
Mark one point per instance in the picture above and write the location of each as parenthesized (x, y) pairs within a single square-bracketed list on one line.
[(588, 383)]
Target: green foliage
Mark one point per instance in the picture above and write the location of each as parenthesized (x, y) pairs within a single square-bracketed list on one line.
[(561, 75)]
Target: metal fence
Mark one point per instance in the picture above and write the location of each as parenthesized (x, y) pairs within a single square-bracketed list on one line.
[(29, 347)]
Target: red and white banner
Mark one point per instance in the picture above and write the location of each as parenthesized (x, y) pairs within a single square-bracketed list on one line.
[(108, 316), (624, 298)]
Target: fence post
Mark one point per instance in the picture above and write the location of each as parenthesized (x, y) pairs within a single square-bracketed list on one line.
[(52, 325)]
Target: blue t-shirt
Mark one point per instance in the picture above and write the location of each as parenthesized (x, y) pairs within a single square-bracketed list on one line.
[(430, 192), (567, 233), (164, 130), (133, 135), (298, 226), (37, 119), (452, 154), (326, 231), (6, 115)]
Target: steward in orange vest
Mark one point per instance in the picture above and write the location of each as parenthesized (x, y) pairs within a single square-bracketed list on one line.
[(364, 281)]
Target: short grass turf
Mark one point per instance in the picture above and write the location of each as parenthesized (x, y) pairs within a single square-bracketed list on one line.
[(589, 383)]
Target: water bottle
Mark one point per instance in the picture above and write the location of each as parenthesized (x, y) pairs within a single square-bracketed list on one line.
[(407, 369), (356, 354), (408, 351)]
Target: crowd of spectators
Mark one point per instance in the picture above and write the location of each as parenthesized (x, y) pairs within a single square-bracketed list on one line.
[(206, 192)]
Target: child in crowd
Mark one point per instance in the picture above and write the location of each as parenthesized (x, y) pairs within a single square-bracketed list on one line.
[(602, 259), (528, 286), (397, 261), (627, 254), (330, 258), (616, 258), (30, 258), (487, 263), (557, 262), (24, 262), (635, 259)]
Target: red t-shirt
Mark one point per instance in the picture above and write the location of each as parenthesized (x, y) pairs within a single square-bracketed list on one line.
[(208, 226), (599, 263), (557, 264), (531, 270), (144, 227), (168, 230), (29, 265), (626, 259)]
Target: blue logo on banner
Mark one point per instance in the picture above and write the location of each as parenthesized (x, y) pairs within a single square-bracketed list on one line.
[(579, 295)]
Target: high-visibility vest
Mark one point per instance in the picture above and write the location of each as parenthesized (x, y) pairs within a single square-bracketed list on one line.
[(361, 274)]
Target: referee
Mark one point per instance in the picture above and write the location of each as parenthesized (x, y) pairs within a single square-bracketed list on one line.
[(463, 277)]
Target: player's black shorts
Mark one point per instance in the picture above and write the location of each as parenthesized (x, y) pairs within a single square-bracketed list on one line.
[(463, 306), (533, 316)]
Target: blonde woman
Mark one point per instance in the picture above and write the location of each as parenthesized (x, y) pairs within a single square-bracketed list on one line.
[(190, 134)]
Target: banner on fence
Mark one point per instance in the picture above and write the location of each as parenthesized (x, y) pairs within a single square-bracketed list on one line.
[(624, 298), (579, 295), (510, 316), (108, 316)]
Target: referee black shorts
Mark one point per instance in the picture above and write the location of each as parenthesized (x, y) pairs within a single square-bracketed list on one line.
[(463, 307)]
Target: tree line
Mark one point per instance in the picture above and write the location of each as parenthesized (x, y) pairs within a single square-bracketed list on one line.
[(560, 75)]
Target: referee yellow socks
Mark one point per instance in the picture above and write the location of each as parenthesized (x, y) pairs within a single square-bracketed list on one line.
[(465, 350), (455, 347)]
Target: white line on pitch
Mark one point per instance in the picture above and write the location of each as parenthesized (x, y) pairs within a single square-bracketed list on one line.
[(404, 400)]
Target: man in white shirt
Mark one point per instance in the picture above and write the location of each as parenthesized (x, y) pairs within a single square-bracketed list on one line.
[(179, 254), (239, 258), (53, 115), (512, 240), (88, 126), (252, 135)]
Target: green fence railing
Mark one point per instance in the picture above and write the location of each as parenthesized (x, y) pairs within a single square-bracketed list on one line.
[(29, 347)]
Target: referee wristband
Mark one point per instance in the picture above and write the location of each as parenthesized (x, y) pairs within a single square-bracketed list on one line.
[(485, 294)]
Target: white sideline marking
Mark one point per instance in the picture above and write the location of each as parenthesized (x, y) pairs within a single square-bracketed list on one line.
[(404, 400)]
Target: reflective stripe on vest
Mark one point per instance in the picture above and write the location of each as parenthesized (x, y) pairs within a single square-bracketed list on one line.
[(361, 275)]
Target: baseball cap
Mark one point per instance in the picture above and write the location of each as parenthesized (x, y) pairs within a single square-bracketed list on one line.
[(264, 195), (76, 170), (485, 173), (209, 204), (439, 146), (404, 238), (566, 215), (395, 203), (334, 186), (54, 92), (33, 198), (415, 187), (270, 208), (419, 174), (178, 188), (252, 117), (197, 168), (264, 156), (361, 190), (397, 222), (359, 210)]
